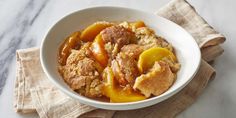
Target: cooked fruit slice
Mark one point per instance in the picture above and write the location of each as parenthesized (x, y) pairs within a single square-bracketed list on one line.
[(98, 51), (155, 82), (65, 49), (150, 56), (119, 76), (137, 24), (126, 95), (93, 30), (117, 94)]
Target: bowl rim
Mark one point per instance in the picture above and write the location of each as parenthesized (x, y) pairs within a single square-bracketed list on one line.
[(108, 105)]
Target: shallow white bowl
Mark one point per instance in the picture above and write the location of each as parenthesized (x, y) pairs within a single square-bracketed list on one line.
[(186, 48)]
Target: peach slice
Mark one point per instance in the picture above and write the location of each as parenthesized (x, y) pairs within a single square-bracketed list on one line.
[(93, 30), (98, 51), (64, 50), (137, 24), (117, 94), (150, 56)]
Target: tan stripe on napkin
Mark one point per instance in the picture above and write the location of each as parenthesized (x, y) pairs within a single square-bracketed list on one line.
[(211, 52), (51, 103), (22, 99), (99, 113)]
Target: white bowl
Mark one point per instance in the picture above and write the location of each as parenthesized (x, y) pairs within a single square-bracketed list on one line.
[(186, 48)]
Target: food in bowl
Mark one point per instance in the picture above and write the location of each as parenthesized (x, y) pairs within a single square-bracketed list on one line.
[(117, 62)]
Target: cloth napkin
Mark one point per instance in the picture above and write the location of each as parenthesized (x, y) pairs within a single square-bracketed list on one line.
[(35, 93)]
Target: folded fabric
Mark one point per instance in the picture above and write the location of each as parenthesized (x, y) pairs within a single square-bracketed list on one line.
[(35, 93), (183, 14)]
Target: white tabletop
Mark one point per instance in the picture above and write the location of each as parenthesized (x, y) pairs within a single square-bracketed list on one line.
[(23, 23)]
